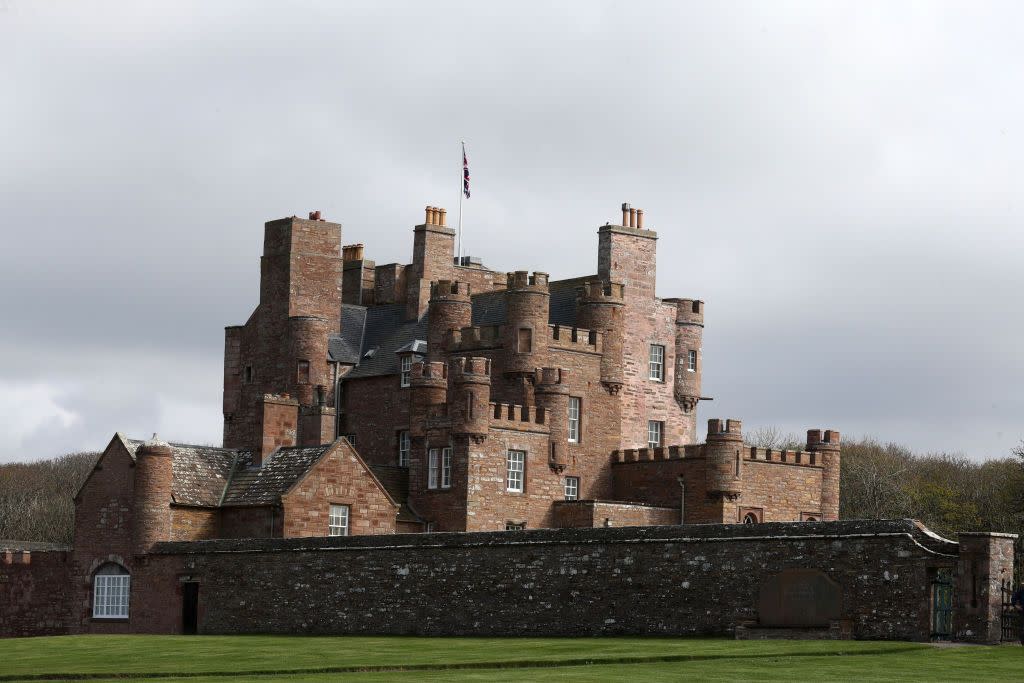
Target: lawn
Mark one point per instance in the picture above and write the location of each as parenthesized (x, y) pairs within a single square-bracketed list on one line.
[(270, 658)]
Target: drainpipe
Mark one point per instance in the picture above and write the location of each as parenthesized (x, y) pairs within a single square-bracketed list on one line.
[(682, 500)]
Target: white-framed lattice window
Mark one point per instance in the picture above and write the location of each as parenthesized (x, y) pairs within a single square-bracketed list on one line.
[(446, 468), (337, 520), (572, 488), (111, 589), (406, 369), (691, 360), (655, 430), (515, 526), (433, 467), (657, 362), (404, 448), (516, 467), (574, 419)]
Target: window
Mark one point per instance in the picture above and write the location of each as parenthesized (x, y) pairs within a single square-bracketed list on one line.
[(111, 587), (515, 526), (516, 466), (654, 433), (351, 438), (248, 374), (303, 373), (574, 419), (657, 362), (404, 446), (751, 515), (572, 488), (524, 340), (691, 360), (406, 370), (337, 521), (446, 468), (810, 517), (433, 468), (750, 518)]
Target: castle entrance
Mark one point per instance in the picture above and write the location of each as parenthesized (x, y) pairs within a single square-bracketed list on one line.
[(189, 608), (942, 605)]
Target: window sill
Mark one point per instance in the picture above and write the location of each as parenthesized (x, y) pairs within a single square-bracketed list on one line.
[(111, 620)]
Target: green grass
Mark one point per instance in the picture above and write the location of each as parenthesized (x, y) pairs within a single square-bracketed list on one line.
[(223, 659)]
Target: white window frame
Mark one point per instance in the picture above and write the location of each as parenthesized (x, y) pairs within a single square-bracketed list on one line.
[(111, 594), (433, 467), (446, 468), (656, 362), (574, 419), (404, 448), (338, 520), (406, 365), (655, 433), (515, 471), (691, 360), (572, 488)]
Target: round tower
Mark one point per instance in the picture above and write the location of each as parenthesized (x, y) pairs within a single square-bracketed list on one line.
[(826, 445), (307, 338), (450, 309), (689, 363), (151, 495), (723, 458), (526, 322), (470, 400), (428, 386), (552, 394), (600, 308)]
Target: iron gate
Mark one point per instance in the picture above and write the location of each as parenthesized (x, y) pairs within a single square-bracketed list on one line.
[(1010, 616), (942, 605)]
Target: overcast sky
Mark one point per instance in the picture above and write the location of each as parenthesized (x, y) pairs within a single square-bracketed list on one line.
[(840, 182)]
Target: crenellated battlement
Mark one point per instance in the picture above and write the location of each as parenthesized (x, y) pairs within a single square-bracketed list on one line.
[(822, 438), (518, 417), (551, 376), (574, 338), (475, 337), (784, 457), (472, 368), (630, 455), (688, 311), (423, 370), (449, 290), (523, 280), (725, 428), (600, 292)]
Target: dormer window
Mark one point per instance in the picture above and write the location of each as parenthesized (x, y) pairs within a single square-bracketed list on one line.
[(406, 369)]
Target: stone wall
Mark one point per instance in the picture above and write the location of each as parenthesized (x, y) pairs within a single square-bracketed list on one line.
[(601, 513), (681, 580), (33, 593)]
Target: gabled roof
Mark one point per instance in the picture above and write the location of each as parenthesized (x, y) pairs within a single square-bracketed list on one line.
[(200, 473), (252, 485)]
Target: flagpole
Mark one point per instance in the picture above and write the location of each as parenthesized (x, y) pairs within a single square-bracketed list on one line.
[(462, 194)]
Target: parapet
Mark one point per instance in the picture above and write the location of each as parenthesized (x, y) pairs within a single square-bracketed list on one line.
[(525, 281), (688, 311), (785, 457), (518, 417), (474, 337), (727, 429), (818, 439), (471, 369), (428, 373), (632, 455), (436, 216), (449, 290), (599, 292), (574, 338), (551, 376)]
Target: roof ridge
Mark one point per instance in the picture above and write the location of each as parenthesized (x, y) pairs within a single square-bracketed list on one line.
[(228, 479)]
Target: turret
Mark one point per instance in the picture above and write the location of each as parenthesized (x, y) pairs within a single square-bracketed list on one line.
[(600, 307), (470, 398), (826, 444), (526, 321), (689, 363), (450, 309), (428, 385), (151, 513), (552, 394), (723, 458), (307, 336)]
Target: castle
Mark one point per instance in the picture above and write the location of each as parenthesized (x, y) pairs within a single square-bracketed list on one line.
[(365, 405)]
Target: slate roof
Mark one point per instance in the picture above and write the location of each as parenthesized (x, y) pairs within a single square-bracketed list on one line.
[(250, 485), (200, 473), (345, 348), (386, 331)]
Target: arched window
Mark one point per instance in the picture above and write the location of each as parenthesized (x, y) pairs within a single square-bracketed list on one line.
[(810, 519), (111, 586), (750, 518)]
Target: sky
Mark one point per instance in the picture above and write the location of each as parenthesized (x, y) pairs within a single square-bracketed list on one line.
[(839, 182)]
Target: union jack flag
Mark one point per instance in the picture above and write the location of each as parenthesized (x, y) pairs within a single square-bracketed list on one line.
[(465, 172)]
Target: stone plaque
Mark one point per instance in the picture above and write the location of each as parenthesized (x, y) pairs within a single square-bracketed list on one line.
[(800, 598)]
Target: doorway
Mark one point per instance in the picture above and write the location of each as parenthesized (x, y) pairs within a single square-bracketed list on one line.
[(189, 608)]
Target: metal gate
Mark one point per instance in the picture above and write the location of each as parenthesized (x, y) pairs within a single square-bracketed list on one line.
[(942, 605), (1010, 616)]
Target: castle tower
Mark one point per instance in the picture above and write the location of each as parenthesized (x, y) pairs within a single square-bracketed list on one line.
[(470, 398), (627, 253), (428, 386), (600, 307), (690, 364), (723, 460), (826, 444), (433, 254), (552, 394), (151, 505), (450, 309), (526, 322)]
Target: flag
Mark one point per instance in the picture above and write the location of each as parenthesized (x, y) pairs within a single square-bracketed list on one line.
[(465, 172)]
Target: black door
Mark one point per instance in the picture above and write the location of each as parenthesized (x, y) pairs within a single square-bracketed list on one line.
[(189, 608)]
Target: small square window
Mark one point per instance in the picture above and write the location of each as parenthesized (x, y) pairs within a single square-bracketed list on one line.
[(406, 370), (337, 523), (574, 419), (691, 360), (572, 488), (516, 466), (351, 438), (404, 448), (303, 372), (655, 431), (656, 365)]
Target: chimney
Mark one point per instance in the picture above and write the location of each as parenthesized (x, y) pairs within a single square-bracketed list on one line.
[(640, 219), (625, 214), (278, 425)]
